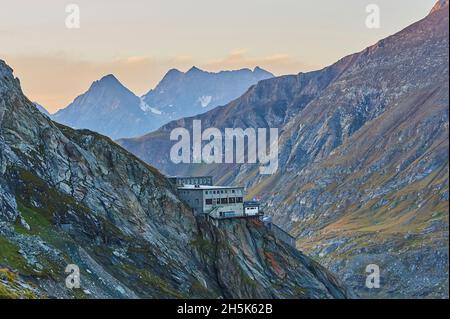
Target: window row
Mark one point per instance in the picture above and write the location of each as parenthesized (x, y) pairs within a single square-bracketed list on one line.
[(195, 181), (230, 200), (232, 191)]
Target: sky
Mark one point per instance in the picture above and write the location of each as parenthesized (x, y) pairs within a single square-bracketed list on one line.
[(140, 40)]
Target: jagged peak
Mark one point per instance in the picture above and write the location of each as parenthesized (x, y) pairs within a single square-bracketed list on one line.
[(109, 78), (171, 74), (108, 81), (5, 70), (259, 70), (7, 79), (194, 69), (441, 4), (173, 71)]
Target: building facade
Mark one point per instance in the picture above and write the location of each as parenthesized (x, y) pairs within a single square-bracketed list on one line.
[(252, 208), (217, 201)]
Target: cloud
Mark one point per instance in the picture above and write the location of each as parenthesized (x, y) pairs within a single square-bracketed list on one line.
[(279, 64), (137, 59), (185, 59)]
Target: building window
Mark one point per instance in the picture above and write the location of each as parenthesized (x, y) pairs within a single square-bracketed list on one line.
[(232, 200), (238, 199), (224, 200), (208, 201)]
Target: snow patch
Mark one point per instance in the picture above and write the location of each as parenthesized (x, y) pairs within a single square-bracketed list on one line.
[(147, 108), (205, 100), (144, 106), (155, 111)]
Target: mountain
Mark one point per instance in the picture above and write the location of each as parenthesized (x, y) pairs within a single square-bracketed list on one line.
[(41, 109), (440, 4), (108, 108), (196, 91), (363, 159), (71, 197)]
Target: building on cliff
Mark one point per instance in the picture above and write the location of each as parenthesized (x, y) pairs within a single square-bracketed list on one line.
[(223, 202), (217, 202)]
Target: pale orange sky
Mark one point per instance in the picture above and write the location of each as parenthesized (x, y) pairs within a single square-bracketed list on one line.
[(140, 40)]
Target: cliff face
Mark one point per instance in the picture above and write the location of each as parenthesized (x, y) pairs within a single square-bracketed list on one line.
[(75, 197), (363, 174)]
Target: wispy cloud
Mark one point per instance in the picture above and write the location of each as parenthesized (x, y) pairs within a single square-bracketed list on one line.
[(240, 58)]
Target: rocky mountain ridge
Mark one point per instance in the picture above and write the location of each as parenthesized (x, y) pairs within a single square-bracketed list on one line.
[(363, 174), (182, 94), (111, 109), (108, 108), (72, 197)]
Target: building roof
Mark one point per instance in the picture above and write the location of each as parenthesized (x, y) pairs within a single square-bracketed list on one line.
[(252, 203), (206, 187), (183, 177)]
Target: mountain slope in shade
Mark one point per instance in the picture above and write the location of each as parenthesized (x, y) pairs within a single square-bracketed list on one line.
[(75, 197), (363, 175), (108, 108), (196, 91)]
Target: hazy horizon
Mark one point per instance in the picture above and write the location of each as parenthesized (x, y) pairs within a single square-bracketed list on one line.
[(139, 42)]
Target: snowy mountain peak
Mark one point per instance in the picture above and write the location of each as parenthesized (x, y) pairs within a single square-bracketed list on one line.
[(182, 94)]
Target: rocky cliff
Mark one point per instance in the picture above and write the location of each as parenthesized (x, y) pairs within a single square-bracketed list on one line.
[(363, 175), (75, 197)]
